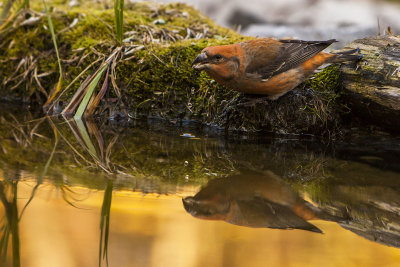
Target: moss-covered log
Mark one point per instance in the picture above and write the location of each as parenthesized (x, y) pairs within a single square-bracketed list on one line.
[(373, 89), (153, 72)]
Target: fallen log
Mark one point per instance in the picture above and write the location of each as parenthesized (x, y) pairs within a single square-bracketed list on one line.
[(373, 89)]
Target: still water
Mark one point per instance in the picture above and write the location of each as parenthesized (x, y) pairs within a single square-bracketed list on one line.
[(77, 193)]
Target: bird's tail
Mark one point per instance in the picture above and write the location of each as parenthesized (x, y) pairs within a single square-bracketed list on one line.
[(349, 55)]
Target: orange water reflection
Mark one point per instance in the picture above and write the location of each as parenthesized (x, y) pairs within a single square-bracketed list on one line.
[(154, 230)]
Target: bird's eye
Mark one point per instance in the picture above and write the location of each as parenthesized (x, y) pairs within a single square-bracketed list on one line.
[(218, 57)]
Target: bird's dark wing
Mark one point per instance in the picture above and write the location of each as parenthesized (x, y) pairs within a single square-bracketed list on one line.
[(259, 212), (289, 54)]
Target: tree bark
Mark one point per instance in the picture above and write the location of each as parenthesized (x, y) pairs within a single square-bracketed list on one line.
[(373, 86)]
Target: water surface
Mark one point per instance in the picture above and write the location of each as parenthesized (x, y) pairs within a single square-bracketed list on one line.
[(77, 193)]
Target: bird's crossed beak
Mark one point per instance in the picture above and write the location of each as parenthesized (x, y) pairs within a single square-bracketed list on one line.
[(199, 62)]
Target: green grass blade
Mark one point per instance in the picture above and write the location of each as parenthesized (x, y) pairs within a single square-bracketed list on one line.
[(119, 19), (78, 96), (53, 36), (6, 10), (4, 23), (26, 3), (85, 101), (94, 102)]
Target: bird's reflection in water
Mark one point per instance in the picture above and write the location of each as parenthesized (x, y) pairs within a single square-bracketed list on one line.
[(253, 200)]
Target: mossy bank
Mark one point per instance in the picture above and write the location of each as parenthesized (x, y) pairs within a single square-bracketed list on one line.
[(154, 74)]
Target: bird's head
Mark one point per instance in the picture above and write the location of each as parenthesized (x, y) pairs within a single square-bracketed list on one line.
[(220, 62)]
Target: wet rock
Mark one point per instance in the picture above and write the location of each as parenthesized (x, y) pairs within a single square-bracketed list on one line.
[(373, 89)]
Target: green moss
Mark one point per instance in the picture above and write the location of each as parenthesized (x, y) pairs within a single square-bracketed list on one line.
[(93, 30), (328, 80), (165, 84)]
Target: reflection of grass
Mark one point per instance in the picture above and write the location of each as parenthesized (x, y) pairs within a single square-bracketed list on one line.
[(313, 166), (10, 227), (5, 236), (45, 169), (105, 223), (80, 130), (86, 139), (83, 151)]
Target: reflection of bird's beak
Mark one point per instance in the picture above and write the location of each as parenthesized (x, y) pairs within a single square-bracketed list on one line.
[(206, 208), (188, 203), (197, 64)]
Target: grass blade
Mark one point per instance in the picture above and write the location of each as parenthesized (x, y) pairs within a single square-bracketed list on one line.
[(73, 81), (11, 18), (95, 101), (53, 36), (26, 3), (119, 19), (83, 95), (88, 95), (6, 9), (54, 93), (77, 98)]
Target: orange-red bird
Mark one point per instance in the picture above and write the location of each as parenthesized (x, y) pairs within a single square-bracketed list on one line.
[(267, 66)]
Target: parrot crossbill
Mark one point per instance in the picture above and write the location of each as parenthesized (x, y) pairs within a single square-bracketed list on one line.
[(267, 66)]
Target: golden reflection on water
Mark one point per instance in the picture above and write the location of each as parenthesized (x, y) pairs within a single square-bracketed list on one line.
[(155, 230)]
